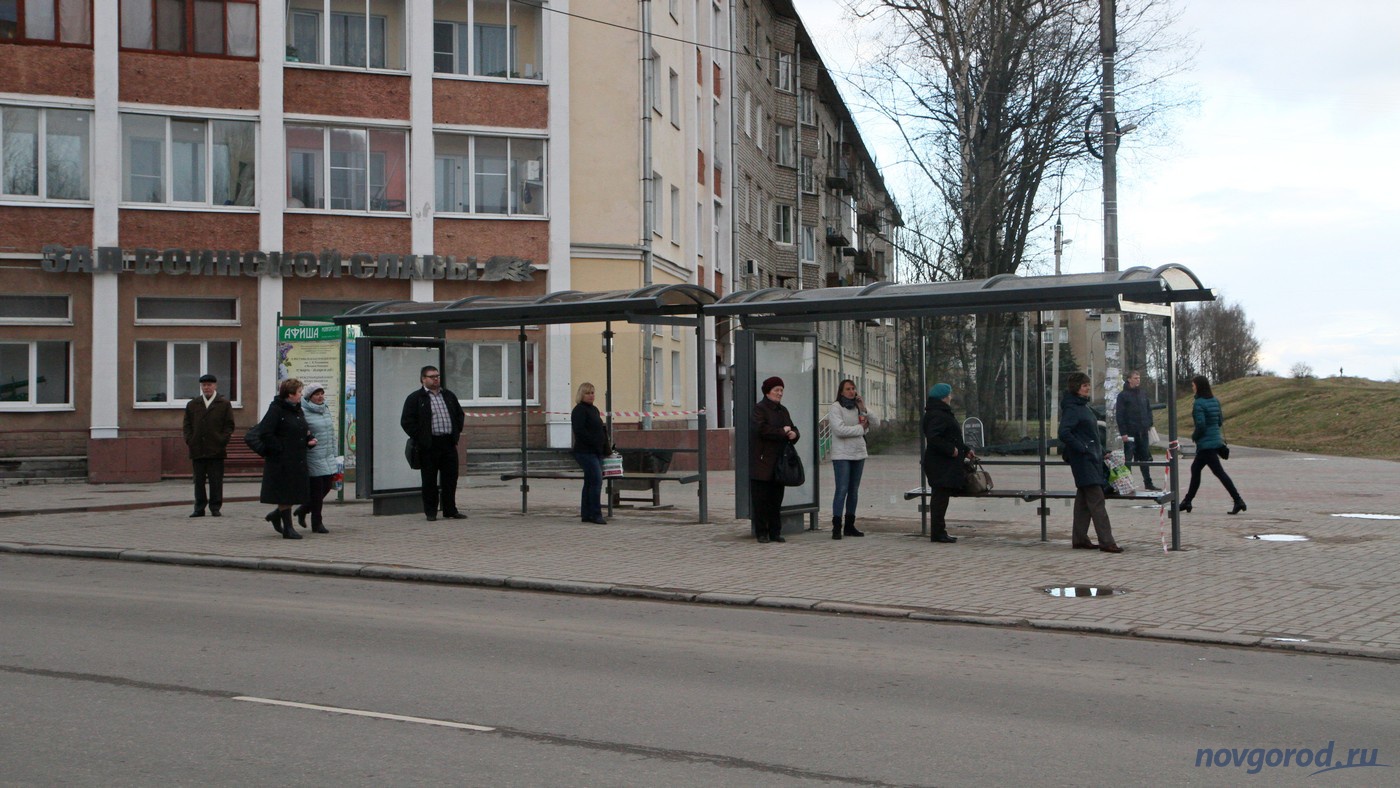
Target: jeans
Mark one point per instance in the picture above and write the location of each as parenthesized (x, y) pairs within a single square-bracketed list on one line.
[(589, 505), (847, 486)]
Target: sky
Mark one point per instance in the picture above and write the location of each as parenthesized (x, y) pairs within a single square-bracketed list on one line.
[(1279, 187)]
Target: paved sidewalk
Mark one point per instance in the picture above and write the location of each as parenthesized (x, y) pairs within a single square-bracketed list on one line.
[(1334, 593)]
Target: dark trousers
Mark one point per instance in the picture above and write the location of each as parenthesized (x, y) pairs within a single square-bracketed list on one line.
[(439, 475), (208, 472), (938, 510), (590, 504), (766, 502), (1139, 450), (320, 487), (1209, 457), (1089, 506)]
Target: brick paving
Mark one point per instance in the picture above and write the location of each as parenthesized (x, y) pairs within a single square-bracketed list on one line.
[(1335, 593)]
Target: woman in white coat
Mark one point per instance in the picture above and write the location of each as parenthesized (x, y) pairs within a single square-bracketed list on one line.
[(849, 422)]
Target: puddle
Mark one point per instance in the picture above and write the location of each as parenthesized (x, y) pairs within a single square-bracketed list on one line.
[(1278, 537), (1078, 591), (1287, 640), (1362, 516)]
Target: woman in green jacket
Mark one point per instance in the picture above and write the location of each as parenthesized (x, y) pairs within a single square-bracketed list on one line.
[(1208, 418)]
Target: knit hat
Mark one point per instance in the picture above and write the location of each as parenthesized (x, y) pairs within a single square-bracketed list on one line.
[(311, 389), (772, 383), (939, 391)]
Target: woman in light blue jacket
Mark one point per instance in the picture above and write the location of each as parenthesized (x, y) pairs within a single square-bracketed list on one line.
[(320, 459)]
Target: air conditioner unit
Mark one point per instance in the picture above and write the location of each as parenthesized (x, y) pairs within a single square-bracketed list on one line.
[(751, 268)]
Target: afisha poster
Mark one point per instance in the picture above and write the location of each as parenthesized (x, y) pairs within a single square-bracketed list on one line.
[(311, 354)]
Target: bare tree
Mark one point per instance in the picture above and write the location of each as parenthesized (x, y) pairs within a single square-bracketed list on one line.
[(991, 97), (1215, 339)]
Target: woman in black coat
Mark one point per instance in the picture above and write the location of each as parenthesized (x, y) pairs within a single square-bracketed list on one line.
[(1079, 434), (945, 454), (284, 437), (770, 430), (590, 447)]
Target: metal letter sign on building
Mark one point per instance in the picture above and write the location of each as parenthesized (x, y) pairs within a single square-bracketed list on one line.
[(329, 263)]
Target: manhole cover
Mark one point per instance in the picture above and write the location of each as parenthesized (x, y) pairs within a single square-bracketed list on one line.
[(1078, 591), (1363, 516), (1278, 537)]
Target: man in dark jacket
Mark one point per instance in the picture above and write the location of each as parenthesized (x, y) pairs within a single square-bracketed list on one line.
[(1134, 415), (433, 418), (208, 427)]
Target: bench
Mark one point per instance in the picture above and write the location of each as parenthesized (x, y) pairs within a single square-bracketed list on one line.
[(636, 481), (241, 462), (1158, 497)]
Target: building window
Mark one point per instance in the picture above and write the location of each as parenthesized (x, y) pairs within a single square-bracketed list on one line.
[(758, 125), (675, 214), (676, 378), (805, 179), (809, 243), (35, 374), (807, 107), (26, 309), (191, 27), (208, 162), (674, 83), (782, 223), (346, 169), (784, 144), (355, 34), (186, 311), (488, 38), (654, 80), (783, 76), (46, 153), (485, 373), (658, 376), (748, 113), (658, 210), (46, 21), (491, 175), (167, 373)]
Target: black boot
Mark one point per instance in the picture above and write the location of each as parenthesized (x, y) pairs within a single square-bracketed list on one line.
[(288, 531), (850, 526), (1185, 505), (274, 517), (1239, 506), (300, 513), (317, 525), (836, 528)]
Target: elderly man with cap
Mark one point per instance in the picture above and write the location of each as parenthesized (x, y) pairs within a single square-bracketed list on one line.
[(208, 427), (771, 430)]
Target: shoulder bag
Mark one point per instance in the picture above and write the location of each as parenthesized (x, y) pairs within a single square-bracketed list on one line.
[(255, 440), (788, 470), (979, 482)]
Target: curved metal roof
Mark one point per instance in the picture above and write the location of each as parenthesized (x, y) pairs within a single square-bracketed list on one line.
[(1005, 293), (563, 306)]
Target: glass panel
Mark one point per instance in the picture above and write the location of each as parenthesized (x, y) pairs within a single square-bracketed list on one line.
[(150, 372), (69, 138), (170, 25), (304, 32), (242, 30), (490, 54), (220, 363), (444, 58), (75, 17), (20, 146), (209, 27), (52, 368), (187, 309), (18, 307), (388, 171), (513, 370), (347, 40), (187, 160), (39, 19), (488, 366), (386, 34), (527, 168), (527, 58), (349, 169), (234, 152), (326, 308), (304, 176), (143, 158), (492, 180), (136, 32), (453, 158), (188, 368), (14, 372), (9, 19)]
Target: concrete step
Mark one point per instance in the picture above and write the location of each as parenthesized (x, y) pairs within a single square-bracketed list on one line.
[(42, 468)]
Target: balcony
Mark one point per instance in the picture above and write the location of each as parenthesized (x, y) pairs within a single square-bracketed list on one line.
[(839, 177), (869, 218), (837, 236), (864, 263)]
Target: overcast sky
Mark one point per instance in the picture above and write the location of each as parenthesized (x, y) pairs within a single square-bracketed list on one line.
[(1280, 189)]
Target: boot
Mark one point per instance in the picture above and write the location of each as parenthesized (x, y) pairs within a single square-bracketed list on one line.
[(288, 531), (300, 513), (1185, 505), (836, 528), (1239, 506), (274, 517), (317, 525), (850, 526)]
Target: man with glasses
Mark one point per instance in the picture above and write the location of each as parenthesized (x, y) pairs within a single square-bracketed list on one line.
[(432, 417)]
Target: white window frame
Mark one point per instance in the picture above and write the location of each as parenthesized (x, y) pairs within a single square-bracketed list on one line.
[(807, 107), (784, 144), (675, 214), (808, 251), (31, 405), (325, 168), (783, 77), (42, 143), (167, 174), (509, 371), (658, 207), (806, 175), (173, 400), (147, 321), (758, 125), (782, 224), (464, 172), (322, 18), (677, 379)]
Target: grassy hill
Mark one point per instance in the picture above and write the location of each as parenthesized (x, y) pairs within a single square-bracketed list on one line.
[(1351, 417)]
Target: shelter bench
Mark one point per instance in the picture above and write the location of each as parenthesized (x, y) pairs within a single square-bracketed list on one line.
[(1159, 497), (650, 482), (240, 462)]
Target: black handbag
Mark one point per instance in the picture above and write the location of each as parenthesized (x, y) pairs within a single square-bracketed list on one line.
[(254, 440), (1223, 452), (788, 470), (413, 455)]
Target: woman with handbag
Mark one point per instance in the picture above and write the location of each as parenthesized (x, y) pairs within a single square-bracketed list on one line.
[(590, 447), (945, 455), (770, 431), (284, 438), (1210, 444), (849, 422), (1079, 435)]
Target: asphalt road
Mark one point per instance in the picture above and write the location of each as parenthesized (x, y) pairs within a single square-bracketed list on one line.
[(131, 674)]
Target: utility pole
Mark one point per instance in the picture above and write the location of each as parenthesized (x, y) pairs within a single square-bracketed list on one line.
[(1108, 46), (1060, 244)]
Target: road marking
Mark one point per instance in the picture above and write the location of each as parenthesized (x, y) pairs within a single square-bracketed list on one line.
[(360, 713)]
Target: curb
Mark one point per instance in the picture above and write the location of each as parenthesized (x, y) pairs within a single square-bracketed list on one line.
[(550, 585)]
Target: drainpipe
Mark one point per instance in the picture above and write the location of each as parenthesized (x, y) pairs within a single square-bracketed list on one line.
[(649, 198)]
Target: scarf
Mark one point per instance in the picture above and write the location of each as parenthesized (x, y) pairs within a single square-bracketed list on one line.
[(846, 402)]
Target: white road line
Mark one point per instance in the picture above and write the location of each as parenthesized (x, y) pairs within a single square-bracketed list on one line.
[(358, 713)]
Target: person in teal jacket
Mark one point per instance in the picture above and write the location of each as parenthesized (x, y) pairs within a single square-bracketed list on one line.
[(1208, 418)]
